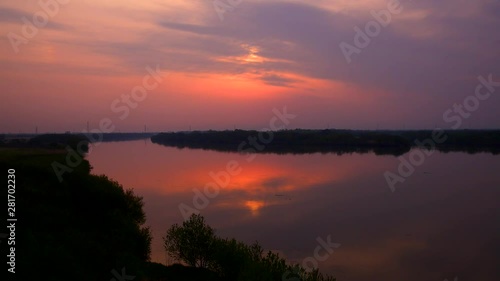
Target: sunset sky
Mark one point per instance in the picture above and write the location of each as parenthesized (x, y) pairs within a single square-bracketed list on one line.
[(229, 69)]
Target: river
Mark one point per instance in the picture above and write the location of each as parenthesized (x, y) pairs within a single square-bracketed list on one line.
[(442, 222)]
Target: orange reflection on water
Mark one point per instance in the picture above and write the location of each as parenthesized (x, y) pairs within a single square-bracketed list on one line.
[(287, 201), (267, 180), (254, 206)]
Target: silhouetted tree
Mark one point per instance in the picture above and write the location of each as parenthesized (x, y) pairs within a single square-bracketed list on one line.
[(192, 242), (196, 244)]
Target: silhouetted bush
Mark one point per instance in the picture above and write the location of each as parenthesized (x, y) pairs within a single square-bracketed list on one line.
[(195, 243), (78, 229)]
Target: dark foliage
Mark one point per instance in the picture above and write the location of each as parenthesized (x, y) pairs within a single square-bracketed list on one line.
[(330, 141), (78, 229), (230, 259)]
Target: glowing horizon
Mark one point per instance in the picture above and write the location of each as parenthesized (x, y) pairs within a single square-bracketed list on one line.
[(232, 73)]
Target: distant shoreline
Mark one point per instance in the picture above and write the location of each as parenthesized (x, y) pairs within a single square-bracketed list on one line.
[(298, 141), (301, 141), (57, 138)]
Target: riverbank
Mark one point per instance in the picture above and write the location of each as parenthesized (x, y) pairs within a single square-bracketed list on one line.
[(88, 227), (301, 141)]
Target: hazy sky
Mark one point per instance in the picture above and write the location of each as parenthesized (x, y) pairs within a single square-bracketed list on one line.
[(228, 63)]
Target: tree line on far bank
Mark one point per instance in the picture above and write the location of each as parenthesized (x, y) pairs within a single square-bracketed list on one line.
[(301, 141)]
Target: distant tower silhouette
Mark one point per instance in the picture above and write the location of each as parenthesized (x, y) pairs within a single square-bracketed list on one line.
[(88, 126), (36, 130)]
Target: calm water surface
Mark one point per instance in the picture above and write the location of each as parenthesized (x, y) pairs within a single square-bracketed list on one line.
[(442, 222)]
